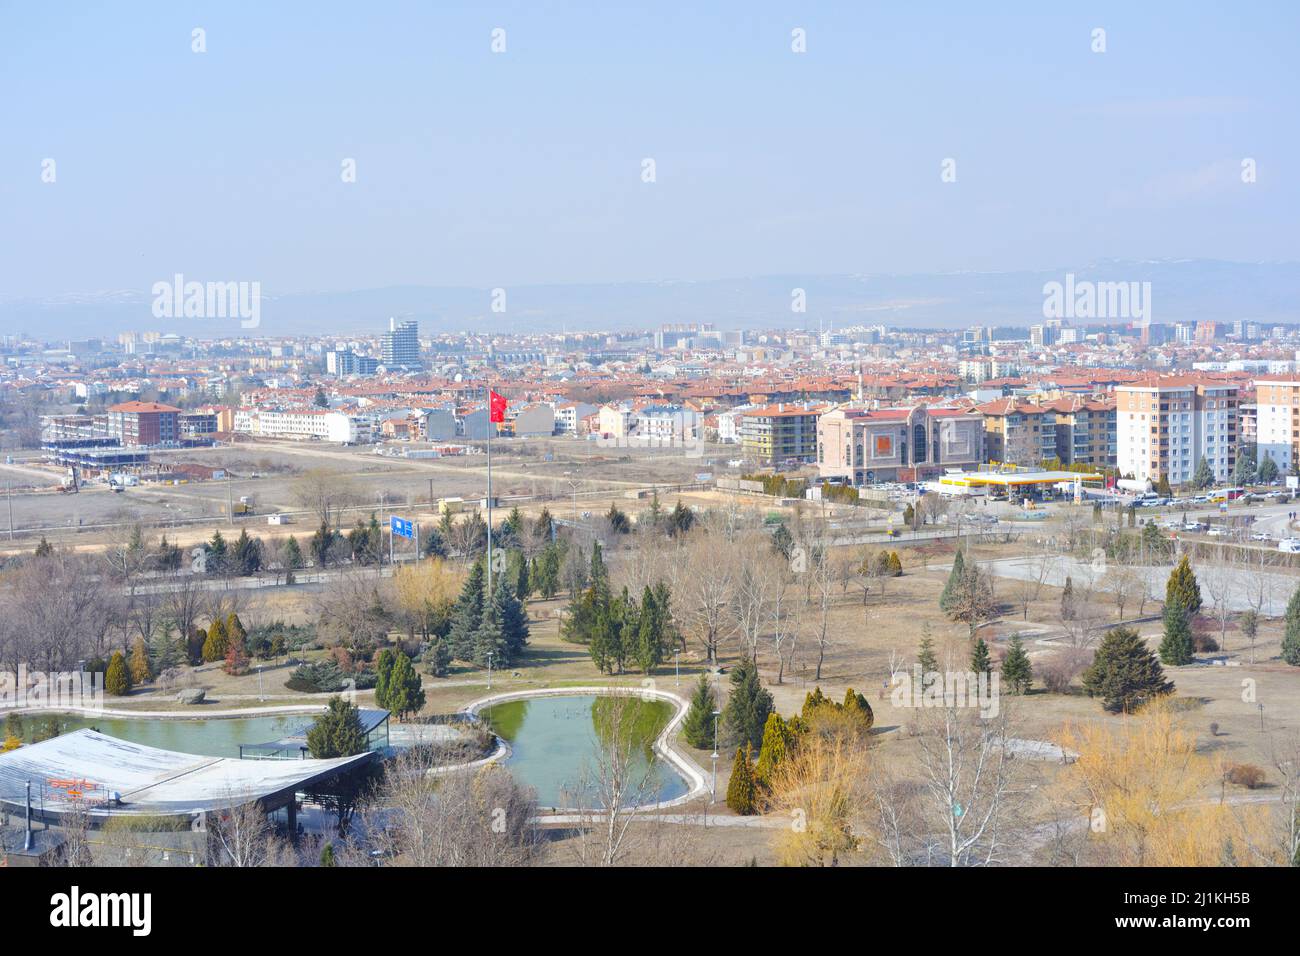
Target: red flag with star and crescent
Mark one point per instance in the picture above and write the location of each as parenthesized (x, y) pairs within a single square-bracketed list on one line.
[(496, 407)]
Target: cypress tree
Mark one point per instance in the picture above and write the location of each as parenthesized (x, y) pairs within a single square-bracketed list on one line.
[(117, 680), (953, 587), (139, 664), (1291, 638), (649, 638), (740, 789), (214, 648), (777, 740), (383, 673), (857, 707), (1177, 647), (1016, 668), (697, 727), (980, 662), (1124, 673), (405, 695), (1182, 587), (1067, 600)]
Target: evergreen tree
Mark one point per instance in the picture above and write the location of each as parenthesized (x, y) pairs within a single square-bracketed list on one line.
[(741, 791), (117, 680), (405, 695), (951, 588), (748, 705), (782, 540), (618, 521), (327, 855), (488, 639), (598, 575), (545, 526), (235, 628), (437, 659), (681, 520), (1183, 589), (979, 658), (214, 648), (1243, 473), (1291, 636), (322, 544), (218, 558), (1162, 487), (1124, 673), (384, 664), (649, 649), (512, 618), (467, 614), (236, 660), (1203, 477), (777, 742), (139, 663), (1178, 647), (1067, 600), (517, 572), (895, 565), (1017, 671), (247, 555), (697, 726), (292, 554), (43, 548), (857, 707), (337, 732), (1267, 471), (925, 653)]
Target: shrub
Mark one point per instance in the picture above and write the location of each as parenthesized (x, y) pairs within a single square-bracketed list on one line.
[(1244, 775)]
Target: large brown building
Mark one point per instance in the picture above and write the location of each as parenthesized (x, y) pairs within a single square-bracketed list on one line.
[(144, 423)]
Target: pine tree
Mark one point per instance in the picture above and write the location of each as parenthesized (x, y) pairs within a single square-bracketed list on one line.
[(218, 555), (488, 639), (1267, 471), (384, 664), (117, 680), (467, 614), (139, 664), (1124, 673), (292, 554), (43, 548), (953, 586), (925, 651), (1203, 476), (337, 732), (1163, 488), (1177, 647), (1183, 589), (980, 662), (437, 659), (697, 726), (1291, 637), (1017, 671), (517, 572), (512, 618), (748, 705), (777, 741), (741, 791)]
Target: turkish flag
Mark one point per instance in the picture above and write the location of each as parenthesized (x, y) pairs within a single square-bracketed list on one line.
[(496, 407)]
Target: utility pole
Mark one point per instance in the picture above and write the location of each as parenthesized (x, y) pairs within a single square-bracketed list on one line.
[(9, 488), (230, 499)]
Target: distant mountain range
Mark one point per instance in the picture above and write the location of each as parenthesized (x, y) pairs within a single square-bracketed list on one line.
[(1181, 290)]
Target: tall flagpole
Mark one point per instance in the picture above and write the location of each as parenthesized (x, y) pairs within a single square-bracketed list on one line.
[(491, 425)]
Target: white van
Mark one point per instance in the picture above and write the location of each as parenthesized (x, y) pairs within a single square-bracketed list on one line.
[(1289, 545)]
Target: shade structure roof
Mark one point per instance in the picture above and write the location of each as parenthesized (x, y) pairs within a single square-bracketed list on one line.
[(105, 775)]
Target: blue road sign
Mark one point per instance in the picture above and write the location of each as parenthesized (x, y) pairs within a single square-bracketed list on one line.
[(402, 527)]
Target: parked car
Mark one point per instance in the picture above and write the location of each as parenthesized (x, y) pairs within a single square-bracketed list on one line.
[(1261, 536)]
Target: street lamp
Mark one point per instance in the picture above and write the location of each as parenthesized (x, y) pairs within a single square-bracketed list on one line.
[(677, 664), (713, 784), (260, 695), (489, 670)]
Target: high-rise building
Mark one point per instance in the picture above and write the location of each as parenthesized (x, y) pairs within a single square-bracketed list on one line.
[(1165, 426), (401, 344)]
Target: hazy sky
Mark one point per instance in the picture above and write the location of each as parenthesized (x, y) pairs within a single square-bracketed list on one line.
[(484, 169)]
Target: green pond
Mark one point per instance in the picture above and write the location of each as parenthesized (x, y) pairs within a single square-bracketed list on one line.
[(556, 743), (214, 737)]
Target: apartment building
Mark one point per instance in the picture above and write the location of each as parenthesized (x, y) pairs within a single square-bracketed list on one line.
[(1164, 426), (1277, 421), (305, 425), (1086, 430), (861, 446), (778, 433), (1019, 431), (143, 423)]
